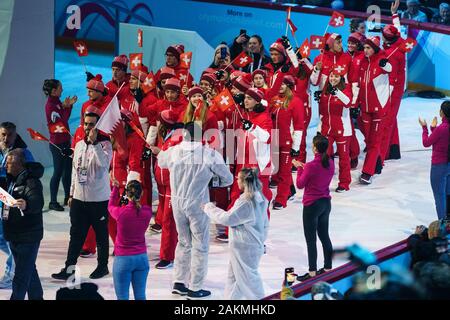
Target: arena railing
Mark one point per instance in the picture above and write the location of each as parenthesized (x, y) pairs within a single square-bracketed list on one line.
[(345, 271)]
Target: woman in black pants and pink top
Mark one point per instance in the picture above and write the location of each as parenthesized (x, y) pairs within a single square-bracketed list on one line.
[(315, 179)]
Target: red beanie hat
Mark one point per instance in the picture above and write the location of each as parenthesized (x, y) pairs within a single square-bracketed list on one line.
[(356, 37), (93, 109), (332, 38), (236, 74), (140, 73), (176, 50), (374, 42), (168, 116), (121, 62), (289, 81), (390, 32), (277, 46), (96, 84), (194, 90), (209, 77), (256, 94), (166, 73), (241, 83), (172, 84), (261, 72)]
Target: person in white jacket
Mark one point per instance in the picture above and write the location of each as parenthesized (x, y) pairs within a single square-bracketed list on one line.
[(192, 166), (249, 225)]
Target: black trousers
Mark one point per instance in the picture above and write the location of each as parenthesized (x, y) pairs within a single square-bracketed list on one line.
[(62, 169), (315, 222), (82, 216)]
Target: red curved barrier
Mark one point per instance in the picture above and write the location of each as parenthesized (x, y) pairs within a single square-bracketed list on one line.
[(428, 26), (344, 271)]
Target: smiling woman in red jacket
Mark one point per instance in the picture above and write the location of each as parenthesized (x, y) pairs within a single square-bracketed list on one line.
[(286, 109), (336, 123)]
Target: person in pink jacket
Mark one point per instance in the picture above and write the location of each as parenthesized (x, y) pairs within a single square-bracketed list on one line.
[(440, 165)]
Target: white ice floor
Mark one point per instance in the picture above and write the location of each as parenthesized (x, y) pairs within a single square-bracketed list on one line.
[(374, 216)]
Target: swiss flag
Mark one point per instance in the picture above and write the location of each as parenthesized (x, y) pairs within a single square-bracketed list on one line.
[(140, 38), (317, 42), (186, 60), (305, 49), (36, 135), (149, 84), (242, 60), (81, 48), (337, 19), (289, 21), (135, 60), (224, 100), (57, 127), (408, 44)]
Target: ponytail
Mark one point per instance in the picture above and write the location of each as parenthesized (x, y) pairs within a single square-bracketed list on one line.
[(134, 192), (49, 85), (445, 108), (252, 184), (321, 144)]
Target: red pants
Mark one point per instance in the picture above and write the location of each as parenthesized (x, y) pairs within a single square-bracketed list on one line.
[(169, 235), (390, 131), (284, 177), (353, 144), (372, 124), (342, 144)]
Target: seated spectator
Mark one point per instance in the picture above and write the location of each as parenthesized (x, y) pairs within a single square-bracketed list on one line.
[(85, 291), (435, 278), (443, 17), (413, 13)]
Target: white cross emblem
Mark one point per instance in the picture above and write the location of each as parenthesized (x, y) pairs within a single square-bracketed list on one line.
[(136, 61), (186, 60), (59, 129), (243, 60), (339, 69), (317, 43), (148, 82), (183, 77), (409, 45), (224, 100), (80, 48), (338, 21), (305, 50)]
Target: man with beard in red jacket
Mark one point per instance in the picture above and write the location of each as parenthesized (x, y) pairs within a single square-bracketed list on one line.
[(119, 76)]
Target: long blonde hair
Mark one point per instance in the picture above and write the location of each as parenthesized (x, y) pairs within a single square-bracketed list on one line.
[(288, 95), (252, 184), (189, 112)]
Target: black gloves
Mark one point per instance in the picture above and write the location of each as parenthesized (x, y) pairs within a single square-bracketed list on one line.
[(383, 62), (89, 76), (146, 154), (138, 95), (246, 124), (285, 42), (354, 112), (285, 68), (332, 90), (219, 74), (317, 95), (294, 153), (67, 152), (239, 99)]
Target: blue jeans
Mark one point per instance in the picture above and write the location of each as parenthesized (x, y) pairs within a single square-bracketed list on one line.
[(440, 183), (130, 269), (4, 246), (26, 279)]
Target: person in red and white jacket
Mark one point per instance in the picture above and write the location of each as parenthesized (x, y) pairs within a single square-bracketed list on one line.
[(280, 61), (286, 109), (374, 98), (98, 96), (336, 123), (259, 77), (168, 136), (119, 76), (390, 147)]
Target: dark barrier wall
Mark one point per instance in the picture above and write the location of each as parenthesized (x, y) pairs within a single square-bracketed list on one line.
[(29, 60)]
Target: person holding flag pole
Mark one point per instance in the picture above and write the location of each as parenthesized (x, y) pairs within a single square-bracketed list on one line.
[(58, 114)]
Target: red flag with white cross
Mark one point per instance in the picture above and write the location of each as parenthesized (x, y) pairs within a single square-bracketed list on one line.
[(317, 42), (57, 127), (407, 45), (81, 48), (140, 38), (337, 19), (149, 83), (290, 23), (242, 60), (135, 60), (186, 60), (36, 135), (305, 49), (224, 100)]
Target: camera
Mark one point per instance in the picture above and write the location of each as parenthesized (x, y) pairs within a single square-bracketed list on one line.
[(289, 276), (223, 53)]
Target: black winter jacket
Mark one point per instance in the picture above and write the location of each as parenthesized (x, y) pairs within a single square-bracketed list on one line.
[(29, 227)]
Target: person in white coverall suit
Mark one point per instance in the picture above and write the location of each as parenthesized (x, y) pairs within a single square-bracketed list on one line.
[(248, 224), (192, 166)]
